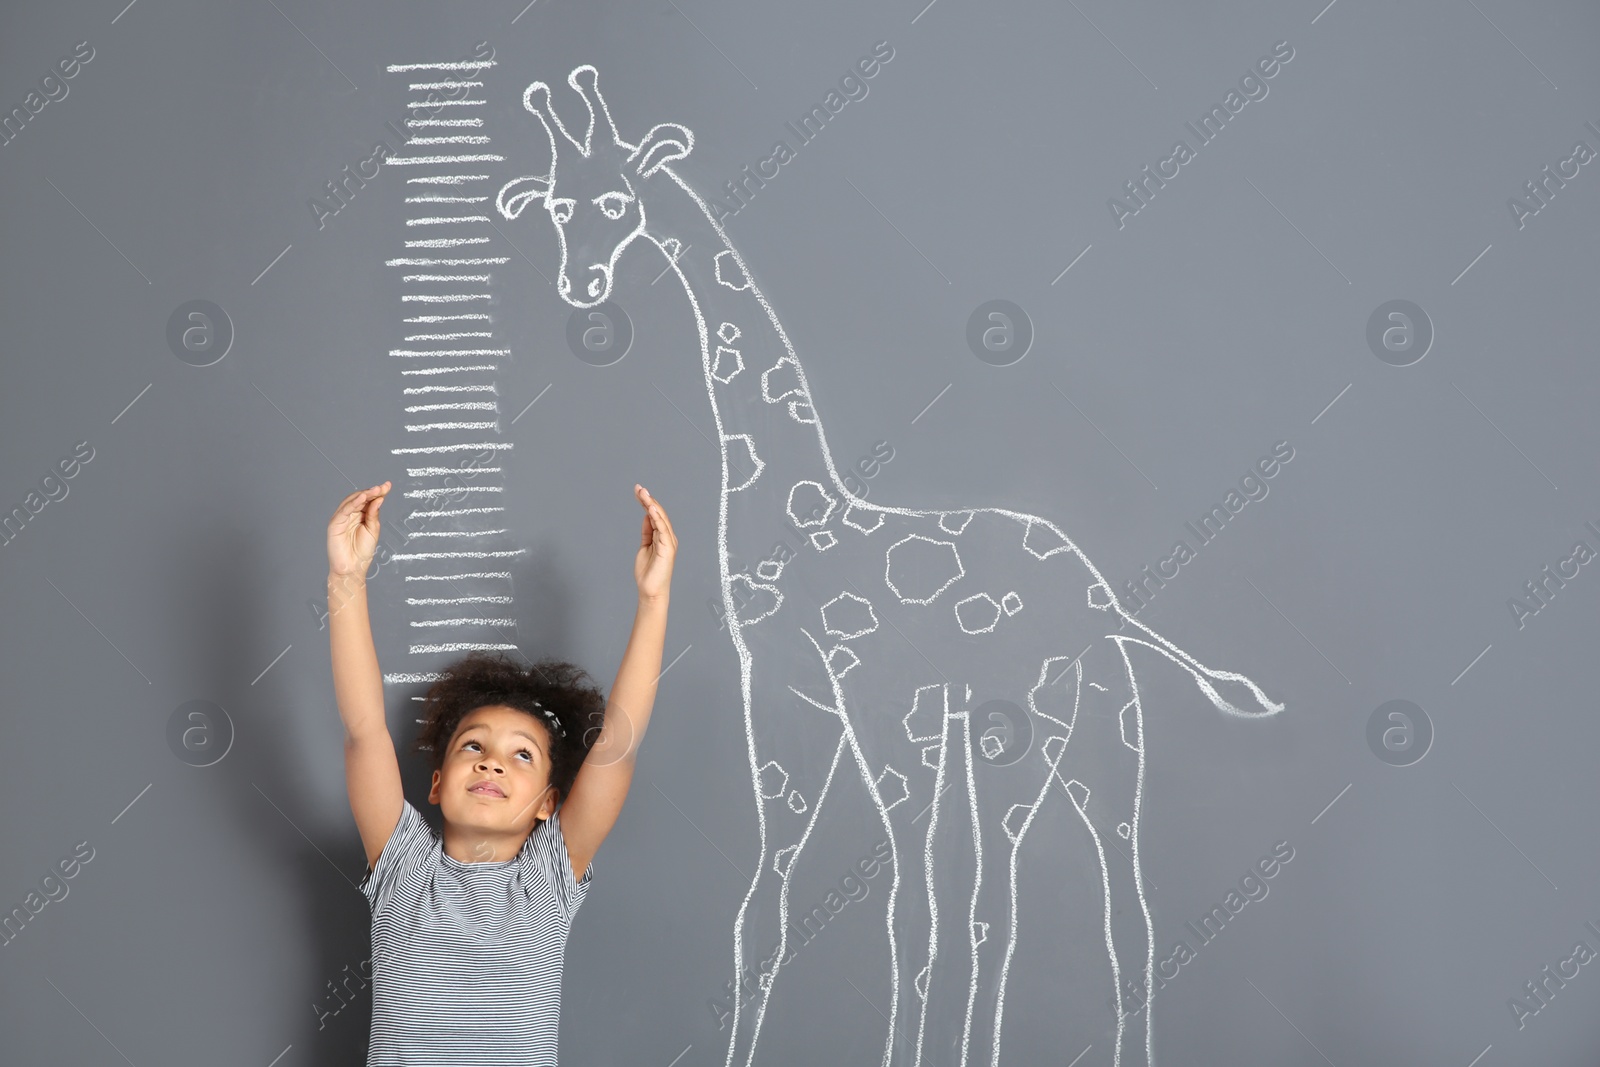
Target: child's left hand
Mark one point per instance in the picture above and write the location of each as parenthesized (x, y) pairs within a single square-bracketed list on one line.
[(658, 547)]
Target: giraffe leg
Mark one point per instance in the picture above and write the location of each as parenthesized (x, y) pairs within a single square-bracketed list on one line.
[(1054, 700), (952, 856), (906, 909), (964, 927), (1102, 773), (790, 788)]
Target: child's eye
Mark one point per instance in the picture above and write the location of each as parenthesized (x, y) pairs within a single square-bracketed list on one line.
[(520, 751)]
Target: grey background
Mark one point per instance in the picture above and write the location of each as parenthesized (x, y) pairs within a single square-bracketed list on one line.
[(186, 561)]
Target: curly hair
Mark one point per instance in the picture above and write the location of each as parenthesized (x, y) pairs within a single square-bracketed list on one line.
[(550, 686)]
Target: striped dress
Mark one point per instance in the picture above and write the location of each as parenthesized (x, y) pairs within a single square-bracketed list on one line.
[(467, 957)]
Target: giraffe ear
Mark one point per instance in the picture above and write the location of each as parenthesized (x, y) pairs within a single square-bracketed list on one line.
[(518, 193), (665, 143)]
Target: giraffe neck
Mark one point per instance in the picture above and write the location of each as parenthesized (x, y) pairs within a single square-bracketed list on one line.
[(780, 481)]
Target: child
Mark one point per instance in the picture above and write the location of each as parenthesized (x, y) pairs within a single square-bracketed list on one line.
[(469, 930)]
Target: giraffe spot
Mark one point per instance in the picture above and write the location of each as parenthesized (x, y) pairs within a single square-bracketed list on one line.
[(797, 803), (728, 333), (810, 504), (893, 789), (848, 617), (1099, 596), (727, 364), (919, 568), (742, 460), (841, 659), (921, 981), (1043, 539), (977, 614), (851, 521), (925, 720), (780, 380), (953, 522), (1130, 726), (1124, 831), (800, 411), (1011, 602), (980, 932), (991, 746), (772, 780), (931, 756), (730, 271), (750, 598), (1079, 793), (823, 540), (780, 863)]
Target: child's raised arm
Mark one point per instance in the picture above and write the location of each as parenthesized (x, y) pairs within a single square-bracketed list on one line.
[(371, 769), (597, 794)]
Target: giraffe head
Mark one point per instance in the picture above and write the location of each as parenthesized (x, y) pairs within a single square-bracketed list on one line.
[(594, 204)]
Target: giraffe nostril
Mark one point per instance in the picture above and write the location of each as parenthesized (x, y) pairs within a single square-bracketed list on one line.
[(595, 286)]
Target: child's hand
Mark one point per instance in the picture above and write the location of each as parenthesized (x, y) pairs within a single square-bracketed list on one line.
[(353, 531), (658, 547)]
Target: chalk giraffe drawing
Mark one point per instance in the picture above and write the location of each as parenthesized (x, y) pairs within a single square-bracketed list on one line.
[(827, 640)]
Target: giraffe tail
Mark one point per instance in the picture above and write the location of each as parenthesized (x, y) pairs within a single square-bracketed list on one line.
[(1230, 691)]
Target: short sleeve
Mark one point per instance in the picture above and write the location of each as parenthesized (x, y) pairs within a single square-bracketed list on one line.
[(548, 852), (405, 850)]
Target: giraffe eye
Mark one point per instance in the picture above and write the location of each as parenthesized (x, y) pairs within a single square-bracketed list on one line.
[(561, 210), (613, 204)]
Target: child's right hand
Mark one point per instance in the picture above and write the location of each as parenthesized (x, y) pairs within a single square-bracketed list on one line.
[(353, 531)]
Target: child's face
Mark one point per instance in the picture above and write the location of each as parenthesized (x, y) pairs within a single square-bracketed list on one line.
[(509, 748)]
